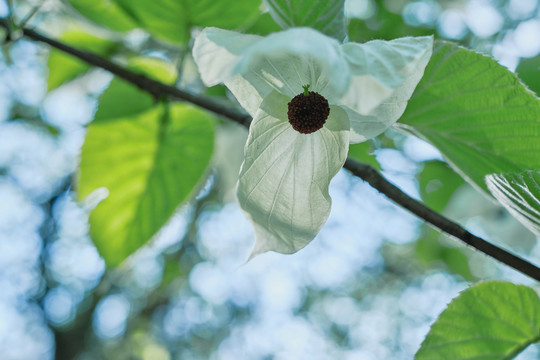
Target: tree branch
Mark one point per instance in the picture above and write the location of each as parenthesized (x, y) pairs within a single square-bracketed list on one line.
[(155, 88), (376, 180), (363, 171)]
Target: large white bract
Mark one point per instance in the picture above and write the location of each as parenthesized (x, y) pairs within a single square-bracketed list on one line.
[(283, 182)]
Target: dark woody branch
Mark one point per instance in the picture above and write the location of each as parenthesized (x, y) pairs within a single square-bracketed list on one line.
[(363, 171), (379, 182), (155, 88)]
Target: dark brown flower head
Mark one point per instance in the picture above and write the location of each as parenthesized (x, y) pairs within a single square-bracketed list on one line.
[(308, 111)]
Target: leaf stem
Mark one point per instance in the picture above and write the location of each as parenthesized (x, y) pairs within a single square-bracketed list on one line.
[(9, 4), (30, 14), (363, 171)]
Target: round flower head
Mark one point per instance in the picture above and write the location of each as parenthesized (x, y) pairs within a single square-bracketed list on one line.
[(308, 111), (309, 97)]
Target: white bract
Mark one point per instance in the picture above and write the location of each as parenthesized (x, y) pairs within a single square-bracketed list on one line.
[(283, 182)]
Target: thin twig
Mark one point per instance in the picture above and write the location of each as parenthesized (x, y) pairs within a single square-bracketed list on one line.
[(9, 4), (155, 88), (31, 14), (363, 171), (7, 23), (376, 180)]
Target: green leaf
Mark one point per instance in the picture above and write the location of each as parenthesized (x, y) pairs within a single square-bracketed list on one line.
[(327, 16), (224, 14), (122, 99), (477, 113), (149, 156), (528, 70), (106, 13), (63, 67), (520, 194), (150, 163), (491, 321), (437, 184), (165, 19), (171, 20), (263, 25), (363, 152)]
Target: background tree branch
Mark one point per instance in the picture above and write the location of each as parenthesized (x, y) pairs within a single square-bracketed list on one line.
[(364, 171)]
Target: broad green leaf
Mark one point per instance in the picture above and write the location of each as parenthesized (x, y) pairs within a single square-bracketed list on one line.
[(477, 113), (437, 183), (490, 321), (154, 68), (216, 91), (149, 156), (106, 13), (165, 19), (122, 99), (528, 70), (171, 20), (263, 25), (520, 194), (224, 14), (150, 162), (327, 16), (363, 152), (63, 67)]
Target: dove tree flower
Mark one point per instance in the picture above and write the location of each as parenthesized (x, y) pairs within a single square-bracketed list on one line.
[(309, 97)]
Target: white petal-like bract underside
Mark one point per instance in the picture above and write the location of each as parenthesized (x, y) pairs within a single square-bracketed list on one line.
[(384, 76), (251, 66), (283, 183), (217, 52)]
